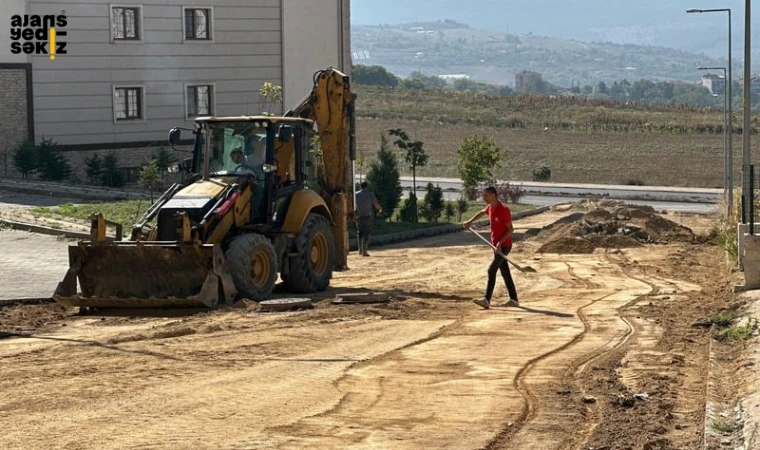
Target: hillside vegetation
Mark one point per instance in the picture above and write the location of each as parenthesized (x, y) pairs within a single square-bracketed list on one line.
[(579, 140), (448, 47)]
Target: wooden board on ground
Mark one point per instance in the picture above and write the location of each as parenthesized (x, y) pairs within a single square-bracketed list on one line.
[(285, 304), (361, 298)]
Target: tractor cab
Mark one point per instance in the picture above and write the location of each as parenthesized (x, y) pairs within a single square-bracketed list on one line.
[(276, 155)]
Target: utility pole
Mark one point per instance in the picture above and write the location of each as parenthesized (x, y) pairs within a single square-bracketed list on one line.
[(747, 129)]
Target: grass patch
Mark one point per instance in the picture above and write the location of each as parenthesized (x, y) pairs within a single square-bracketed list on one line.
[(724, 426), (125, 212), (724, 318), (740, 332)]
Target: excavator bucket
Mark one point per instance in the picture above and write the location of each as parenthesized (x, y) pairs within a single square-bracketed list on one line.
[(127, 274)]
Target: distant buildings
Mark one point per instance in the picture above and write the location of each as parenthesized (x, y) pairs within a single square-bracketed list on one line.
[(716, 84), (524, 79)]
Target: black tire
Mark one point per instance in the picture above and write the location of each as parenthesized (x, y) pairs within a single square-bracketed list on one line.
[(311, 271), (253, 266)]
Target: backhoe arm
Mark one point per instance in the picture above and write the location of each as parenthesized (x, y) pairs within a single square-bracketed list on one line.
[(331, 106)]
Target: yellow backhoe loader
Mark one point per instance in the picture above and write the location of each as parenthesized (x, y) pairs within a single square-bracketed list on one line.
[(265, 196)]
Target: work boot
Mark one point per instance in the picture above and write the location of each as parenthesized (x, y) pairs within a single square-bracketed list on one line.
[(483, 302)]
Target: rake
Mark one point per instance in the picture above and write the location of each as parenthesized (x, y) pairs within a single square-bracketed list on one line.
[(525, 269)]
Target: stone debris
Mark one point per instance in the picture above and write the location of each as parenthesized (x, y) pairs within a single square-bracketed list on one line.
[(611, 225)]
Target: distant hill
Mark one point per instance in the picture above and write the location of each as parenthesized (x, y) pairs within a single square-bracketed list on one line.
[(643, 22), (448, 47)]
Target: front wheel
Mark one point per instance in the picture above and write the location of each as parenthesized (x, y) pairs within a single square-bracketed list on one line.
[(311, 270), (253, 266)]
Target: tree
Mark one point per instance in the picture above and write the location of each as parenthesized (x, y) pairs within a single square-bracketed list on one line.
[(408, 211), (433, 202), (51, 164), (361, 161), (462, 206), (373, 76), (93, 167), (415, 154), (112, 176), (164, 159), (384, 179), (25, 158), (150, 177), (601, 88), (477, 159), (269, 94), (449, 211)]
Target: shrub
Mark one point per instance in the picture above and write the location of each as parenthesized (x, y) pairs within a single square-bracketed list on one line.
[(449, 211), (112, 176), (408, 211), (506, 193), (93, 168), (52, 165), (44, 159), (462, 205), (25, 158), (150, 178), (164, 159), (543, 173), (433, 203)]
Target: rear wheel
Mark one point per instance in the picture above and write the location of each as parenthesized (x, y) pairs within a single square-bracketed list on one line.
[(311, 270), (253, 266)]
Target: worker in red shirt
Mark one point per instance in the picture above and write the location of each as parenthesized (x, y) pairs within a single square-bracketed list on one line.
[(500, 218)]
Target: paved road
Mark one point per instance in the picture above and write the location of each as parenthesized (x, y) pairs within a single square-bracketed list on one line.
[(568, 189), (32, 264), (585, 188)]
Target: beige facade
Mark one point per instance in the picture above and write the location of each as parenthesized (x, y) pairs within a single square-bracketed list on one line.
[(134, 70)]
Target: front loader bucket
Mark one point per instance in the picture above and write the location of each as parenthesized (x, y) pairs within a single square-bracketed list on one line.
[(146, 275)]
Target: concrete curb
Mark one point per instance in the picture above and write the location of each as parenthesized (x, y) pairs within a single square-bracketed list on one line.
[(405, 236), (22, 226), (63, 190), (109, 194)]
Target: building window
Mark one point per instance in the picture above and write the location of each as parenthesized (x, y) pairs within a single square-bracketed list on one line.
[(197, 24), (200, 100), (125, 23), (128, 103)]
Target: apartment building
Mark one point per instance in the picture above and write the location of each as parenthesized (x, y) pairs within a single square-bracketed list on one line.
[(716, 84), (124, 73), (523, 79)]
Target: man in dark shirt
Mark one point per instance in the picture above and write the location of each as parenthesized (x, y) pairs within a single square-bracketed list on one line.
[(365, 200), (500, 219)]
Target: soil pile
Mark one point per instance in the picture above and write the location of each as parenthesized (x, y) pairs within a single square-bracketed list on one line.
[(614, 225)]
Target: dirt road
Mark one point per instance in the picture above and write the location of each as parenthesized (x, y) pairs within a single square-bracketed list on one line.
[(428, 370)]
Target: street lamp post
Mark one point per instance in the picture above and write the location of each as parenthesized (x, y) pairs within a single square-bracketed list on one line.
[(727, 179), (747, 130), (730, 158)]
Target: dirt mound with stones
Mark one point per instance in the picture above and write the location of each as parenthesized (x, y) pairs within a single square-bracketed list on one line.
[(614, 225)]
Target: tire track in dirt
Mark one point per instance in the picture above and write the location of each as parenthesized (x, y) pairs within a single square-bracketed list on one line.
[(531, 402), (579, 369), (392, 354)]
